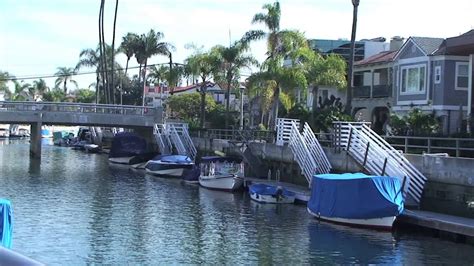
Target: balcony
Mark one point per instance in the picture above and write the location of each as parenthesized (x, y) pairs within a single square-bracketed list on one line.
[(379, 91), (361, 91)]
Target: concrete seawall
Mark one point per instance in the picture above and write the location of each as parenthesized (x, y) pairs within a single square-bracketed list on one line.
[(450, 186)]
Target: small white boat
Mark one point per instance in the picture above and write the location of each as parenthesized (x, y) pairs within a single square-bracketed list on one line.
[(271, 194), (221, 173)]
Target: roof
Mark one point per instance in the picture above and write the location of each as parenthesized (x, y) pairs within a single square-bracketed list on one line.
[(427, 44), (460, 45), (382, 57)]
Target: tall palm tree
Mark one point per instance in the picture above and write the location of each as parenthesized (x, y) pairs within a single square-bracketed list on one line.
[(355, 4), (4, 78), (39, 87), (232, 60), (21, 91), (129, 46), (149, 45), (113, 54), (65, 74), (203, 65)]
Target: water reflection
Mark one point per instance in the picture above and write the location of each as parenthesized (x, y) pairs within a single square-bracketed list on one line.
[(74, 208)]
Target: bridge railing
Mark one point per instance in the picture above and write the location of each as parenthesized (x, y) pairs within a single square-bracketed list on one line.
[(78, 107)]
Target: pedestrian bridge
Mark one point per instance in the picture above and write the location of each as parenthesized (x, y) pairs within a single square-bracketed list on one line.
[(37, 114)]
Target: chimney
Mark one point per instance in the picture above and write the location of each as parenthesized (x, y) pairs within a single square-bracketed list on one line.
[(396, 43)]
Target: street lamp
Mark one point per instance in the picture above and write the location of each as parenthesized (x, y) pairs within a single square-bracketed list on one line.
[(242, 88)]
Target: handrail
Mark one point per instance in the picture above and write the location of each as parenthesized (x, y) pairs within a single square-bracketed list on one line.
[(75, 107)]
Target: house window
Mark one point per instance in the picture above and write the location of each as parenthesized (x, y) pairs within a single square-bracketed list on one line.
[(413, 79), (437, 74), (462, 75)]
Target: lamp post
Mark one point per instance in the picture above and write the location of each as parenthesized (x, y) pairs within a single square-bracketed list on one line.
[(242, 88)]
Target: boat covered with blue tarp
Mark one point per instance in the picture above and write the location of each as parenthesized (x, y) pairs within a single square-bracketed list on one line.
[(271, 193), (6, 226), (356, 198)]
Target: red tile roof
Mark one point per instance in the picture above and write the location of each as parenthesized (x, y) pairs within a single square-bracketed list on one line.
[(382, 57)]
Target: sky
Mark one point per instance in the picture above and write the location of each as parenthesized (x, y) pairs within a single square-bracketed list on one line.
[(38, 36)]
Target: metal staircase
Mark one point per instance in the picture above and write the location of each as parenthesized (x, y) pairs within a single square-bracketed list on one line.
[(163, 139), (308, 152), (378, 157), (177, 135)]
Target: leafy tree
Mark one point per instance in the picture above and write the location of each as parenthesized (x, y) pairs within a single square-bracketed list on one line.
[(54, 95), (414, 123), (85, 96), (40, 86), (331, 110), (4, 78), (187, 106)]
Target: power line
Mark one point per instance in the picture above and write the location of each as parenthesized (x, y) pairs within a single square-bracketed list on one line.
[(27, 77)]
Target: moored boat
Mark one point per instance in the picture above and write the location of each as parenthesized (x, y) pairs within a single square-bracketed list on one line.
[(129, 148), (356, 199), (221, 173), (169, 165), (271, 194)]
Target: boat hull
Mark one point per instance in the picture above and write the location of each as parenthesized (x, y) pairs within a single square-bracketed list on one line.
[(229, 183), (176, 172), (121, 160), (272, 199), (383, 223)]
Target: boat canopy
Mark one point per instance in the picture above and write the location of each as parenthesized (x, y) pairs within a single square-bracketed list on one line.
[(175, 159), (270, 190), (356, 196), (220, 159)]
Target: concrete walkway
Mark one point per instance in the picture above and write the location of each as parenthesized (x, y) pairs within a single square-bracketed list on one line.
[(439, 221)]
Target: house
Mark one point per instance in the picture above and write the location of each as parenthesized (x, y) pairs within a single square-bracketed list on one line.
[(154, 95), (363, 49), (432, 74)]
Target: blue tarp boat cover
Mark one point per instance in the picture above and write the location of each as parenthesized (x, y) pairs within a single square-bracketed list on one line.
[(126, 144), (263, 189), (175, 159), (6, 226), (355, 196)]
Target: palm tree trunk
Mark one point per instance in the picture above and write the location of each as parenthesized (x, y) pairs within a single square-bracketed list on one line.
[(227, 104), (315, 103), (277, 103), (65, 88), (113, 53), (203, 103), (97, 89), (144, 81), (121, 83), (348, 108), (101, 59), (107, 89)]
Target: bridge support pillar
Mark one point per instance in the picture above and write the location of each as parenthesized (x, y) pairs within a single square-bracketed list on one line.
[(35, 140)]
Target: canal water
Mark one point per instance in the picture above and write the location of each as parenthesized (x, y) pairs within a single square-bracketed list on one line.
[(74, 208)]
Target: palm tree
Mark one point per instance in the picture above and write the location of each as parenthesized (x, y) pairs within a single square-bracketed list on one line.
[(113, 54), (4, 78), (232, 60), (39, 87), (205, 66), (65, 74), (355, 4), (271, 19), (129, 46), (21, 91), (149, 45)]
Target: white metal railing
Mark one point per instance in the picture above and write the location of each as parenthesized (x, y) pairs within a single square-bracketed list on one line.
[(77, 107), (283, 130), (379, 158), (162, 139), (179, 136), (324, 166), (174, 136), (308, 152)]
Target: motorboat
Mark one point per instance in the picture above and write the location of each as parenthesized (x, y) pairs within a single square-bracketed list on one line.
[(129, 148), (356, 199), (222, 173), (170, 165), (271, 194)]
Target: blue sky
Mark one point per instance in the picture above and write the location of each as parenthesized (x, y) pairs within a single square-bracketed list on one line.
[(37, 36)]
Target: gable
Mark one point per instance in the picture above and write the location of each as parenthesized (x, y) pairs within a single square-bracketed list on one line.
[(410, 50)]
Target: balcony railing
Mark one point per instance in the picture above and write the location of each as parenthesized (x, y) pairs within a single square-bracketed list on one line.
[(379, 91), (361, 91)]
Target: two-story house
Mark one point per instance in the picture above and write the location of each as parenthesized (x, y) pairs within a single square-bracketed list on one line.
[(428, 73)]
